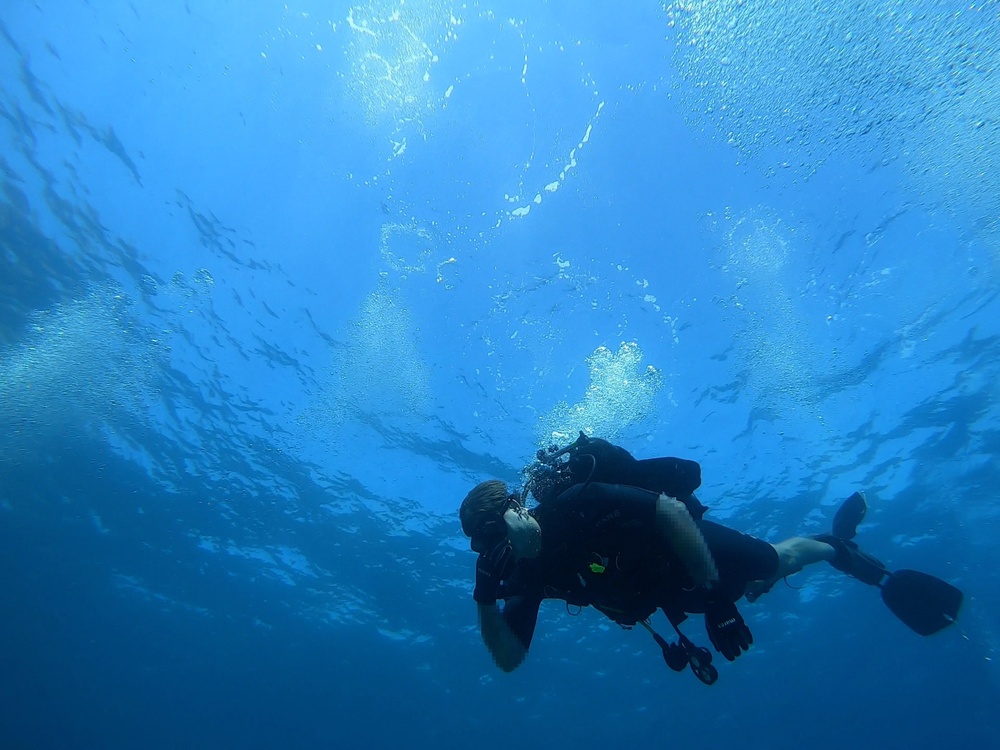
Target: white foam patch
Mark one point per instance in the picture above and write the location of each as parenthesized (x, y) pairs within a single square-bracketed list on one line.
[(407, 636), (922, 88), (83, 364), (569, 165), (295, 560), (209, 544), (251, 553), (622, 393)]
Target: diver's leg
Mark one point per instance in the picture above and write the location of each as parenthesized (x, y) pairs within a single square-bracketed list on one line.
[(793, 555), (796, 553)]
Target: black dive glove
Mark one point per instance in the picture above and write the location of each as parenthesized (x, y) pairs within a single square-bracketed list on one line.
[(727, 630), (491, 568)]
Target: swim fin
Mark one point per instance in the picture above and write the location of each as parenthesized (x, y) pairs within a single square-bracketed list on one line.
[(854, 561), (849, 516), (850, 558), (926, 604)]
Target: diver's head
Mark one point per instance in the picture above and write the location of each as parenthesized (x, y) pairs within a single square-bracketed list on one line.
[(490, 515), (482, 512), (523, 530)]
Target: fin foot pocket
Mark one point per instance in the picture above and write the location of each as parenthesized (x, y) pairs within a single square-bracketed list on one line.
[(853, 561)]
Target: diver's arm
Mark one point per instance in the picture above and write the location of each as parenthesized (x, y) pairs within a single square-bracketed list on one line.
[(503, 644), (683, 535), (598, 505)]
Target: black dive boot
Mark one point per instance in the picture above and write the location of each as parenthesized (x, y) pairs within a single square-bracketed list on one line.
[(850, 559)]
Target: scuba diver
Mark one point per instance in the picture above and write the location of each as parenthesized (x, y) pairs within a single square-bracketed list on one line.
[(628, 537)]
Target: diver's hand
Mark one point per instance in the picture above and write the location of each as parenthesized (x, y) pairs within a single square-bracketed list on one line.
[(504, 646), (491, 568), (757, 589), (727, 630)]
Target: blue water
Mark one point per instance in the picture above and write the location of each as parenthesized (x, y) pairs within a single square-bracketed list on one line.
[(280, 282)]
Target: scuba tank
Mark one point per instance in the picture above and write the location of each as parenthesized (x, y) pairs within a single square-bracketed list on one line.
[(589, 460)]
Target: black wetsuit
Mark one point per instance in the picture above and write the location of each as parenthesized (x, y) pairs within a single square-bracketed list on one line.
[(601, 547)]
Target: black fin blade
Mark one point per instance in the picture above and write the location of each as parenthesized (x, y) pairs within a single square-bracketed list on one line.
[(924, 603), (849, 516)]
